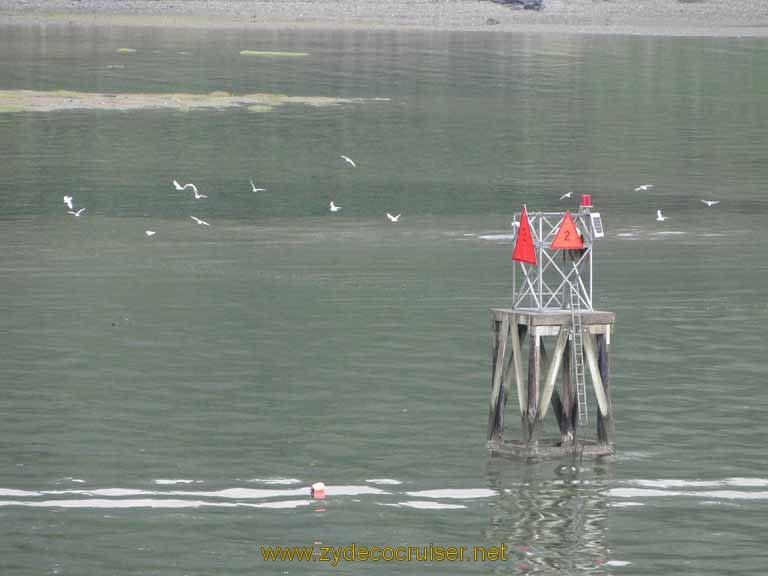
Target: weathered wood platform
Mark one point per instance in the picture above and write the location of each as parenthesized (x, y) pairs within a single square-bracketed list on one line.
[(550, 448), (514, 330), (548, 323)]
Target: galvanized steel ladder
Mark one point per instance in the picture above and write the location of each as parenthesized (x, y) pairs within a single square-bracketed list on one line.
[(578, 352)]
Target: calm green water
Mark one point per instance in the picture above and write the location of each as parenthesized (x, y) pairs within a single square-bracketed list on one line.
[(166, 401)]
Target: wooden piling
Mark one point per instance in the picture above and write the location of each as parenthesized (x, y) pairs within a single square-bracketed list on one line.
[(554, 366), (597, 381), (568, 428), (605, 427), (534, 395), (496, 414), (534, 368), (517, 333)]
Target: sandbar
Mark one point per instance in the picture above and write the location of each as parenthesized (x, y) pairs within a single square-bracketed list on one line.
[(55, 100)]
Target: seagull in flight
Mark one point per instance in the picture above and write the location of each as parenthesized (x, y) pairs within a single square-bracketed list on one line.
[(393, 218), (68, 202), (334, 208), (76, 213), (566, 195), (659, 216), (643, 187), (349, 161), (194, 189), (254, 189), (711, 203), (203, 222)]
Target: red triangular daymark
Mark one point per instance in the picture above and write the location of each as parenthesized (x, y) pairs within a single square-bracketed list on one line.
[(524, 251), (567, 237)]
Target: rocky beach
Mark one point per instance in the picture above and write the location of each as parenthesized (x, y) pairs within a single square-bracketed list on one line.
[(736, 18)]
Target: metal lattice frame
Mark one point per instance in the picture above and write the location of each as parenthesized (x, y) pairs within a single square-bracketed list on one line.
[(546, 285)]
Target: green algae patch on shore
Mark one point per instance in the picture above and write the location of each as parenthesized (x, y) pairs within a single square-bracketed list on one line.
[(269, 54), (11, 102), (51, 101), (260, 108)]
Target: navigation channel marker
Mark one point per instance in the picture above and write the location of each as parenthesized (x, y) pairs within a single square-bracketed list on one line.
[(567, 237), (524, 250)]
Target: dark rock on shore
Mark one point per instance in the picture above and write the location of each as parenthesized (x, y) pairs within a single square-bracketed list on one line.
[(525, 4)]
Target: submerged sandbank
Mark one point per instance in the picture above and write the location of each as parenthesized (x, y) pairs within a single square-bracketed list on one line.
[(49, 101)]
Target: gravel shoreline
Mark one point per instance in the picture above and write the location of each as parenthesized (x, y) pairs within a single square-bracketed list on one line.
[(731, 18)]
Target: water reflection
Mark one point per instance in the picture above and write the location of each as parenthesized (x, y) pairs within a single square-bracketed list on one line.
[(552, 516)]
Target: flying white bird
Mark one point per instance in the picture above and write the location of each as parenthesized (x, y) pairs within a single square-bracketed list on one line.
[(393, 218), (334, 208), (643, 187), (203, 222), (349, 160), (76, 213), (149, 232), (190, 185), (254, 189), (711, 203), (68, 202), (566, 195), (659, 216)]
